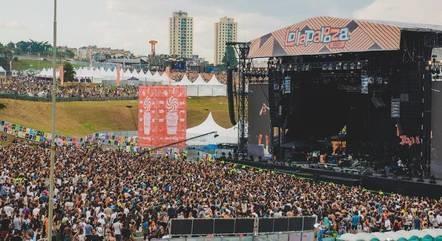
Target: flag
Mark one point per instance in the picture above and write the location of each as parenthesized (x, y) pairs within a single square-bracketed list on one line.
[(61, 74), (118, 77)]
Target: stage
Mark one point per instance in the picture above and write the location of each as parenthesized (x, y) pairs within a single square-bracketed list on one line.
[(345, 92), (373, 182)]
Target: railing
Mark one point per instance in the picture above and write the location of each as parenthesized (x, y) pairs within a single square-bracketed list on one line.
[(239, 226), (64, 99), (290, 236)]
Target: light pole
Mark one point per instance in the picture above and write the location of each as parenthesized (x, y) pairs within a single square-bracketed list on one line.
[(215, 135), (53, 147)]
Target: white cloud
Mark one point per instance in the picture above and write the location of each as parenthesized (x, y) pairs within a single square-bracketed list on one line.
[(130, 24), (427, 11), (134, 22), (12, 25)]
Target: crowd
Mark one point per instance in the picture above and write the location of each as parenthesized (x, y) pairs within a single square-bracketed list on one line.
[(34, 87), (37, 87), (111, 195)]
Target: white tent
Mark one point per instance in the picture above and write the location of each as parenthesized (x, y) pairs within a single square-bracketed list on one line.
[(42, 73), (207, 126), (143, 76), (199, 81), (97, 77), (166, 79), (184, 81), (138, 74), (214, 81), (2, 71), (110, 75), (47, 73), (156, 77), (102, 73), (218, 89), (149, 74)]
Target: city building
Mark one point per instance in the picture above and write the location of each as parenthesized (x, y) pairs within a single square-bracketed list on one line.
[(225, 31), (101, 54), (181, 35)]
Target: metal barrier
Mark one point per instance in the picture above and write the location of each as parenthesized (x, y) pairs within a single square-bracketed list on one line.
[(232, 226), (64, 99), (217, 226), (292, 236)]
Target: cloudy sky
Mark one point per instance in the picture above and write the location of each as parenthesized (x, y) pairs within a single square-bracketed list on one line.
[(129, 24)]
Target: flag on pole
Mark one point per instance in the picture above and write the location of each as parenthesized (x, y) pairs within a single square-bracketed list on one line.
[(118, 77), (61, 74)]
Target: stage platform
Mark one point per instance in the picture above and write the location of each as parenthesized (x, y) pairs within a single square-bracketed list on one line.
[(374, 182)]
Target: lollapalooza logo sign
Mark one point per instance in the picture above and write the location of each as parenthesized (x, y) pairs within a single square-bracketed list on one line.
[(334, 37)]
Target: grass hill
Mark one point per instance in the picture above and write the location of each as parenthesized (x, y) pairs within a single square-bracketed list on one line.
[(86, 117), (25, 63)]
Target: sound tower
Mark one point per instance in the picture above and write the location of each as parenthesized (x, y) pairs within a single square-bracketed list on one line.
[(230, 96)]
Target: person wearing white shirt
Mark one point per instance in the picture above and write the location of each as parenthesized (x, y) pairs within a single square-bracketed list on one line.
[(117, 230), (439, 219), (8, 210), (387, 224)]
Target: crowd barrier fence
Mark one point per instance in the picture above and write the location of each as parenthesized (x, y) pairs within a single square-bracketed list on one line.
[(237, 226), (64, 99)]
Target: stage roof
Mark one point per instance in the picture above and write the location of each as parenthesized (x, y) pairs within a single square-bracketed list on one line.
[(328, 35)]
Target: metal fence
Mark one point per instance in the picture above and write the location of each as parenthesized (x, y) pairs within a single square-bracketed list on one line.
[(289, 236), (236, 226), (64, 99)]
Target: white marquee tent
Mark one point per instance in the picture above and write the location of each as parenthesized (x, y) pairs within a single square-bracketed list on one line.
[(183, 81), (218, 89), (225, 136), (100, 75), (2, 71)]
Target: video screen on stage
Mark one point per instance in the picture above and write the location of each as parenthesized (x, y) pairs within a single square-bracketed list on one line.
[(259, 142), (162, 115), (436, 141)]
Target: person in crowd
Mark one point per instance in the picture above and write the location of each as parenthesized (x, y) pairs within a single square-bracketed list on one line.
[(32, 86), (113, 195)]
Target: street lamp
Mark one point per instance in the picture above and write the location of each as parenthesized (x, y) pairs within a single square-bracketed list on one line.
[(53, 147)]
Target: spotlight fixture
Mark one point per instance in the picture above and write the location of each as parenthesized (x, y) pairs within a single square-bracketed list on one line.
[(339, 66), (330, 66), (352, 66)]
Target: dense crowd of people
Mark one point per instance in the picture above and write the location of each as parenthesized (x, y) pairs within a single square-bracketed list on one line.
[(38, 87), (111, 195), (34, 87)]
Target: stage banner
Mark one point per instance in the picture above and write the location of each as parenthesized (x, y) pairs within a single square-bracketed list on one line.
[(327, 35), (162, 115)]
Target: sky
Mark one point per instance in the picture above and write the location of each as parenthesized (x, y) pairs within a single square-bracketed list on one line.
[(129, 24)]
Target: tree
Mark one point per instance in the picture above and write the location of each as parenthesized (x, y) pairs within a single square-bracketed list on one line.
[(68, 71), (69, 54), (11, 46), (6, 56), (229, 59)]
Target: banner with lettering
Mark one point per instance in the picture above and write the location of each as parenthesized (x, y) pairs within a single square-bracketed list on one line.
[(327, 35), (162, 115)]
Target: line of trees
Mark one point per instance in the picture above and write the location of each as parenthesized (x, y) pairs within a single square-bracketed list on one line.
[(37, 48), (10, 51)]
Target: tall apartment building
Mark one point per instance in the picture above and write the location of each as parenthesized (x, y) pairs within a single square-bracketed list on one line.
[(181, 34), (225, 31)]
